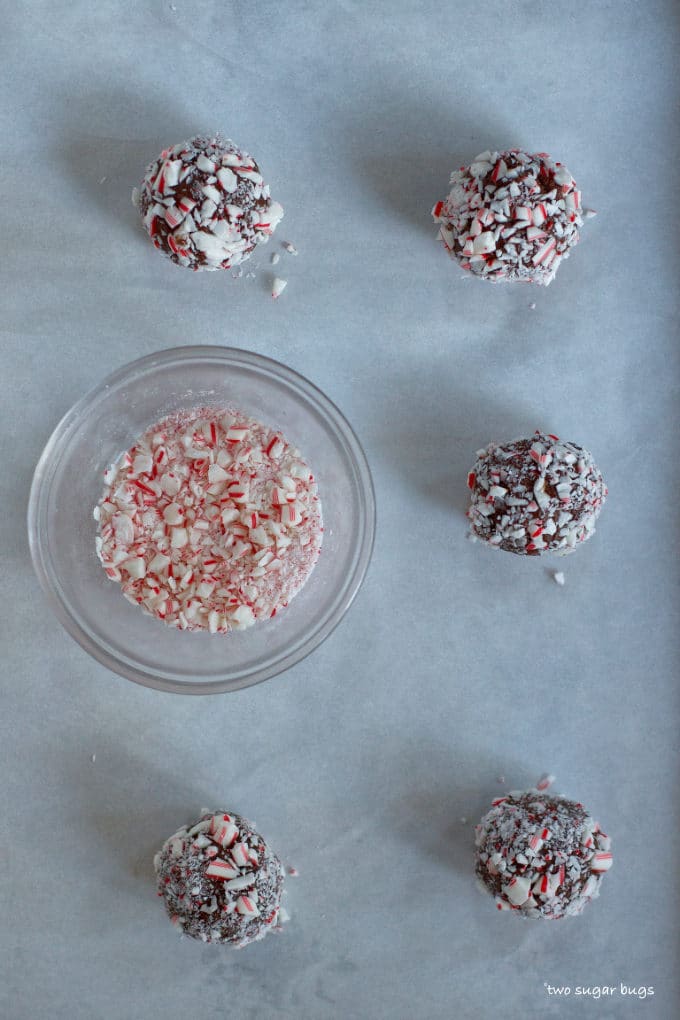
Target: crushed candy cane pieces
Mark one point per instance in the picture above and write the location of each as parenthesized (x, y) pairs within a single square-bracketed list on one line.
[(511, 216), (231, 897), (211, 521), (540, 855), (204, 204), (535, 495)]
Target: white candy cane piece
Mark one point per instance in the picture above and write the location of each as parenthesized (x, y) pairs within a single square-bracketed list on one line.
[(237, 433), (123, 528), (247, 906), (174, 216), (239, 852), (159, 563), (227, 179), (205, 164), (243, 617), (242, 882), (290, 514), (602, 861), (484, 243), (216, 474), (517, 890), (248, 172), (222, 830), (179, 538), (278, 287), (544, 252), (170, 172), (590, 886), (135, 567), (142, 464)]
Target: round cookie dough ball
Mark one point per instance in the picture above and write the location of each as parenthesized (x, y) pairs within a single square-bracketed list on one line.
[(205, 205), (542, 856), (511, 216), (535, 495), (220, 881)]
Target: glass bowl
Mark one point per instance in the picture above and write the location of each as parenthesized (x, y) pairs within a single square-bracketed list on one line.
[(68, 483)]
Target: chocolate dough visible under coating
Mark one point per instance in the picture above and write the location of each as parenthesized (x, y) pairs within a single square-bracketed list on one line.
[(209, 908), (554, 876), (535, 495), (204, 204)]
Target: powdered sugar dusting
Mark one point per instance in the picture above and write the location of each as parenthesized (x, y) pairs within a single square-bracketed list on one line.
[(211, 521), (511, 216)]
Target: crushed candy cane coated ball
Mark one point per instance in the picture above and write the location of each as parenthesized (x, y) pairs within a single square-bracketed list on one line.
[(534, 496), (211, 521), (541, 855), (511, 216), (205, 205), (220, 881)]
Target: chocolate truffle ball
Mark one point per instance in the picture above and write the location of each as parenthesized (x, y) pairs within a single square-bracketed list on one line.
[(220, 881), (540, 855), (205, 205), (511, 216), (535, 495)]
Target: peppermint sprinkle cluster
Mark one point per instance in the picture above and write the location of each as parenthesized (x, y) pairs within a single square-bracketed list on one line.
[(511, 216), (540, 855), (211, 521), (220, 881), (535, 495), (205, 205)]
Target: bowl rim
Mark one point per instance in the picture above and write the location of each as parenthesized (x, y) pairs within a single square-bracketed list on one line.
[(45, 471)]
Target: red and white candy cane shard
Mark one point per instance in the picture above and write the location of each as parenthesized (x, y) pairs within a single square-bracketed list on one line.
[(517, 890), (545, 782), (247, 906), (602, 861), (221, 869), (223, 535), (239, 853)]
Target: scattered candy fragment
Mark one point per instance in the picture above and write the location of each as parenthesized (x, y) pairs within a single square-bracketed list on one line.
[(558, 577), (275, 258), (535, 495), (212, 896), (290, 248), (539, 855), (510, 216), (278, 287), (204, 204), (545, 782), (211, 521)]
